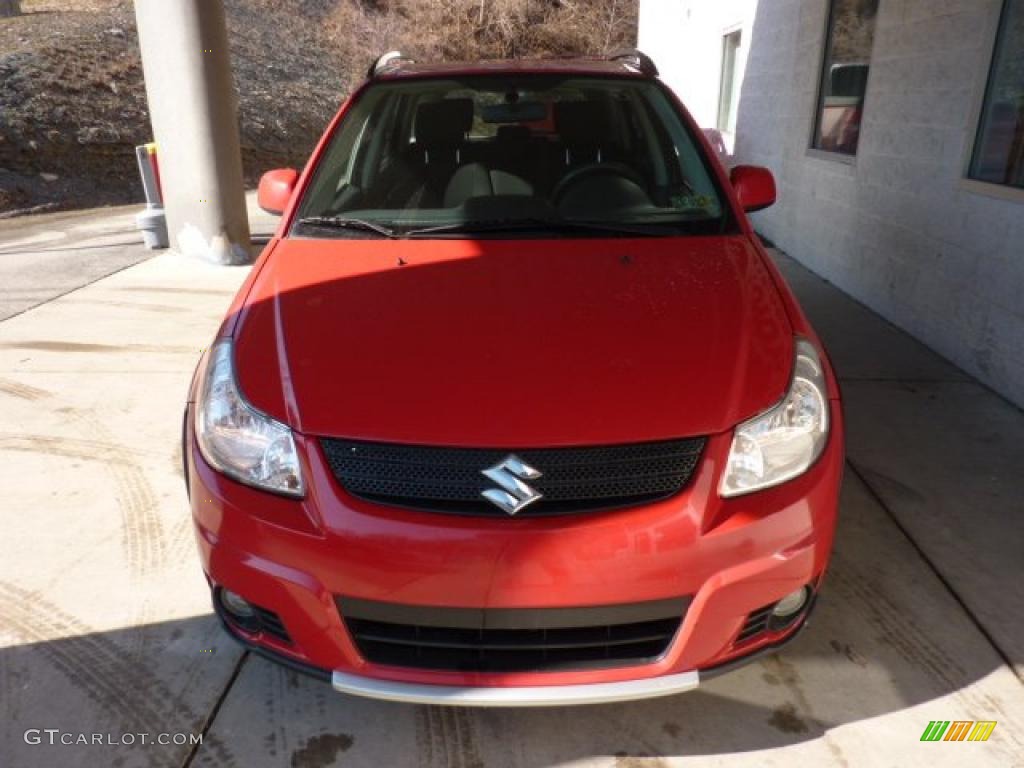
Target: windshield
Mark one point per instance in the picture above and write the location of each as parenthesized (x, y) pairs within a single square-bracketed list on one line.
[(583, 156)]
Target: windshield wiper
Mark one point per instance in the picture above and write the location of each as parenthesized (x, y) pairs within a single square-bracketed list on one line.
[(534, 224), (344, 222)]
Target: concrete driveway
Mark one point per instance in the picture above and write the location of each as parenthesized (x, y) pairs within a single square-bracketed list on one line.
[(45, 256), (105, 625)]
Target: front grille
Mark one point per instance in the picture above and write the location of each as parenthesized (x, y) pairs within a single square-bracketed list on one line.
[(571, 480), (512, 640)]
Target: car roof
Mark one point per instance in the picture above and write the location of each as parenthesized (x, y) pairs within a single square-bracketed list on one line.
[(403, 69)]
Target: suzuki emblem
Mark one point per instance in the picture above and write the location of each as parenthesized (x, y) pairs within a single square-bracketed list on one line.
[(513, 494)]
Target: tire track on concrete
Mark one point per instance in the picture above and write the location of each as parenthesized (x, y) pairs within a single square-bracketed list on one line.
[(141, 528), (276, 741), (862, 475), (22, 391), (446, 737), (144, 289), (49, 345), (909, 642), (141, 535), (181, 540), (143, 538), (141, 532), (897, 629), (136, 699), (169, 309)]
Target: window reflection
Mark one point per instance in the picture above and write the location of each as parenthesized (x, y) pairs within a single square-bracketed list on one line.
[(999, 149), (844, 77)]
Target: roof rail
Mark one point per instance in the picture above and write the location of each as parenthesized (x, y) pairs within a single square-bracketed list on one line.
[(636, 59), (385, 61)]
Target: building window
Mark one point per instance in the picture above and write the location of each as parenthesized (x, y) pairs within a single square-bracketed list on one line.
[(999, 146), (729, 91), (844, 76)]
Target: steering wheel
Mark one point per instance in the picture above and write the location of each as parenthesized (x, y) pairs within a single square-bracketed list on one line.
[(577, 175)]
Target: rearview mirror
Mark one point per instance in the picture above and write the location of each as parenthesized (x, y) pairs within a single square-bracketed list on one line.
[(275, 190), (754, 186)]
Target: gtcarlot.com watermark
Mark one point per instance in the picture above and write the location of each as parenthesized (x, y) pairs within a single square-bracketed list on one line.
[(70, 738)]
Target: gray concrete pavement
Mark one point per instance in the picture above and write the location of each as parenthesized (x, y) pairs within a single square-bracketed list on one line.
[(104, 614), (106, 625), (49, 254), (938, 450)]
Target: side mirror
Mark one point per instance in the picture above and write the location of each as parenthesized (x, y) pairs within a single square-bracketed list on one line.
[(276, 188), (754, 186)]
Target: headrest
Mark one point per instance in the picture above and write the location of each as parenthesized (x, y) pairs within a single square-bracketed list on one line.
[(582, 122), (444, 122)]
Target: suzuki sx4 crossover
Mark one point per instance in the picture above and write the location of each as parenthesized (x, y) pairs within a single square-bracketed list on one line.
[(514, 408)]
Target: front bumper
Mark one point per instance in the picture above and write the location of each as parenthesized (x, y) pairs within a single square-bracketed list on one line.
[(520, 696), (523, 696), (730, 557)]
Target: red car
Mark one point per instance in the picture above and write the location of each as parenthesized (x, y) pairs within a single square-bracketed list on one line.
[(514, 408)]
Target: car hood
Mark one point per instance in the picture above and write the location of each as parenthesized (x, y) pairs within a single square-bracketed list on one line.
[(514, 343)]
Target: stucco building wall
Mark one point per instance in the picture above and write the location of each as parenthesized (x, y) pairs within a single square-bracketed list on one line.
[(899, 226)]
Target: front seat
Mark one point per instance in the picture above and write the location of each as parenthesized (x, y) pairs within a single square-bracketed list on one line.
[(585, 130), (440, 132)]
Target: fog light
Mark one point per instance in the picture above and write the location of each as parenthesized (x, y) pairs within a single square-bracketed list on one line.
[(789, 607), (236, 605)]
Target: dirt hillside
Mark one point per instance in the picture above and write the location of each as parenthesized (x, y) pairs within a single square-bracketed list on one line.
[(73, 105)]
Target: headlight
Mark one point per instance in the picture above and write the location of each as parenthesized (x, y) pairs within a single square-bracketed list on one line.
[(238, 440), (784, 441)]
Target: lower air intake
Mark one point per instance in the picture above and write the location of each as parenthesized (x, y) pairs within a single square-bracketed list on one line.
[(512, 640)]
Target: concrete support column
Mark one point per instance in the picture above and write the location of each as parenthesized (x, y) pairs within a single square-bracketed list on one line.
[(194, 114)]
